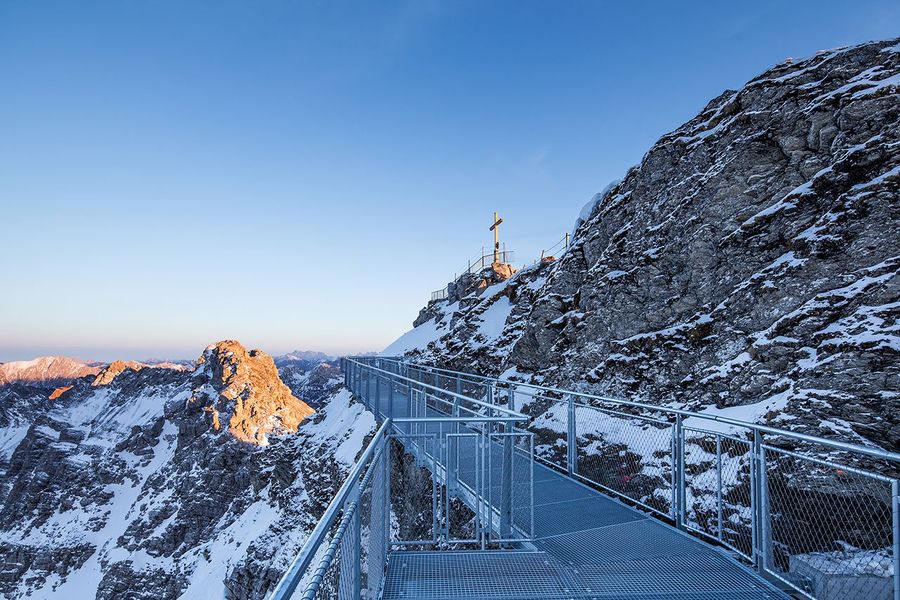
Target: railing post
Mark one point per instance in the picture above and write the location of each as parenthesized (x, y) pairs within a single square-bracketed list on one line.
[(761, 509), (719, 507), (390, 412), (452, 463), (680, 483), (895, 509), (458, 384), (571, 439), (511, 397), (506, 483), (377, 403), (386, 458)]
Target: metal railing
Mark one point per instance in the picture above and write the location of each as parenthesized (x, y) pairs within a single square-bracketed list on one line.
[(473, 267), (467, 481), (353, 530), (550, 252), (821, 517), (474, 447)]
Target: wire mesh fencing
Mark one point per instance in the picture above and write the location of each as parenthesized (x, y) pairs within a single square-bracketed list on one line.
[(509, 472), (627, 454), (829, 530), (718, 501), (821, 516)]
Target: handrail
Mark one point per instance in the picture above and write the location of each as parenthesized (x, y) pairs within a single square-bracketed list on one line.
[(291, 579), (441, 294), (513, 415), (836, 444)]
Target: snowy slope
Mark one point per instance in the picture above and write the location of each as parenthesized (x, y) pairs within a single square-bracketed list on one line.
[(129, 486)]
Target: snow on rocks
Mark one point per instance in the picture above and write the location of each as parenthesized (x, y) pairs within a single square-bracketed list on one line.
[(128, 488)]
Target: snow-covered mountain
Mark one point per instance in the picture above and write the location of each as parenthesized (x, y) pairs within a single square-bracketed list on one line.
[(310, 356), (167, 483), (748, 266), (46, 370), (313, 376)]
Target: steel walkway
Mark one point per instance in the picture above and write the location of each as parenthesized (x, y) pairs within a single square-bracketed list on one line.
[(577, 499), (586, 545)]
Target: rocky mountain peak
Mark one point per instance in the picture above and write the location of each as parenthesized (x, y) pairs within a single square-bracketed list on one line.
[(242, 392), (106, 376)]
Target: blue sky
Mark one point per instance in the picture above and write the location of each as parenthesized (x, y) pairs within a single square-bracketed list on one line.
[(304, 174)]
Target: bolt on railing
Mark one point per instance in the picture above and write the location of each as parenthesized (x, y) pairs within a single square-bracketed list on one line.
[(819, 516)]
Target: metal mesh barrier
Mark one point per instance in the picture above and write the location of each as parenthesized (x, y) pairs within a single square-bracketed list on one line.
[(415, 499), (825, 530), (510, 470), (375, 529), (831, 530), (718, 489), (627, 454), (550, 428)]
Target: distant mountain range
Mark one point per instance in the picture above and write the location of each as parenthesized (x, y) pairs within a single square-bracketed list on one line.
[(53, 371), (46, 370)]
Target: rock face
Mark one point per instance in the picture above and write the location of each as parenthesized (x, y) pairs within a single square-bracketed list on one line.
[(751, 260), (248, 393), (164, 483), (46, 370)]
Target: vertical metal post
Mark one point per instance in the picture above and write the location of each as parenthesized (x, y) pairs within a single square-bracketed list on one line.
[(483, 483), (458, 384), (506, 483), (680, 483), (895, 509), (390, 398), (377, 402), (719, 484), (511, 398), (754, 505), (762, 510), (451, 455), (571, 439)]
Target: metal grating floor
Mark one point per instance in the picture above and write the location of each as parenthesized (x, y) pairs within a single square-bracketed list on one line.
[(464, 575), (517, 575), (587, 545)]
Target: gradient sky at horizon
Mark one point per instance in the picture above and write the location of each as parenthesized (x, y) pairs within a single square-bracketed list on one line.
[(304, 174)]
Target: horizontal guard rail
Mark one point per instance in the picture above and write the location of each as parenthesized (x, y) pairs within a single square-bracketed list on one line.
[(836, 444), (514, 416), (291, 579)]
